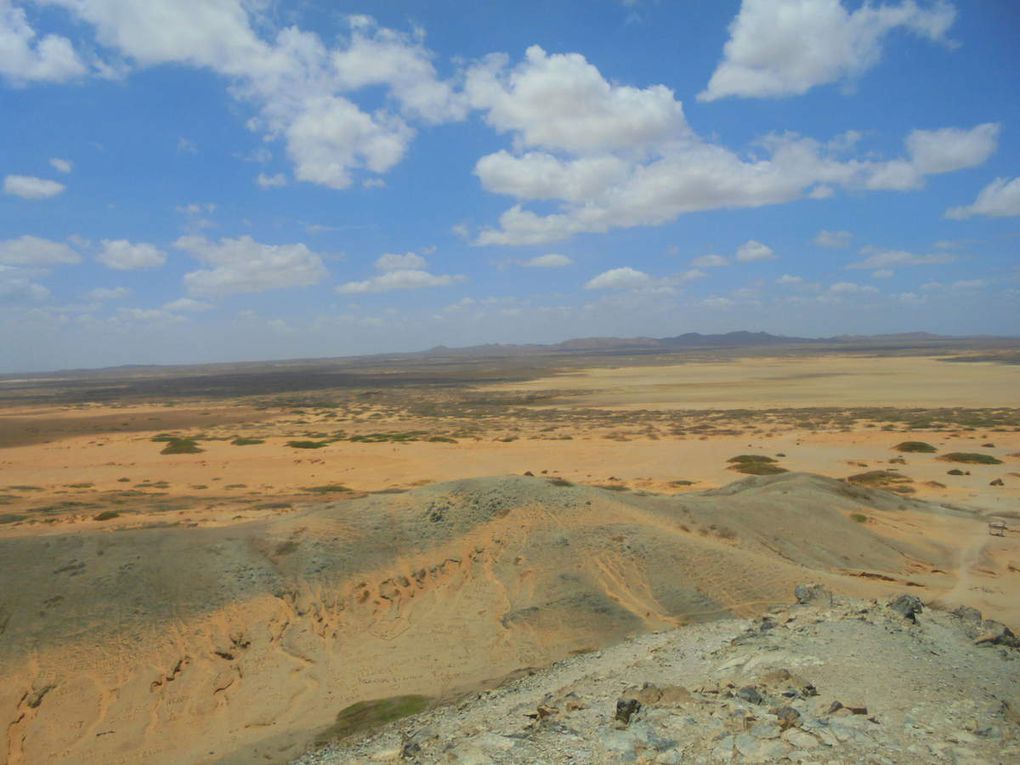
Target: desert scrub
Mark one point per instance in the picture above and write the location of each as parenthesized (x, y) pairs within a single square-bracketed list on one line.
[(755, 464), (883, 479), (181, 446), (860, 517), (366, 715), (307, 444), (329, 488), (239, 441), (915, 446), (106, 515), (971, 458)]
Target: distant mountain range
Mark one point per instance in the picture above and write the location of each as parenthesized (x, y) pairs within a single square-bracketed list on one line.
[(691, 340)]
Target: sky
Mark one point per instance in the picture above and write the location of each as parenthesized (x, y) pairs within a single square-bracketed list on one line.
[(193, 181)]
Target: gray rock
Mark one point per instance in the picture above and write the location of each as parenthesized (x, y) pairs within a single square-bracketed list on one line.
[(750, 694), (626, 709), (907, 606), (810, 593)]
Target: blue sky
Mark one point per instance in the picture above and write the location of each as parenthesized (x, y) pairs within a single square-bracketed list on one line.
[(212, 180)]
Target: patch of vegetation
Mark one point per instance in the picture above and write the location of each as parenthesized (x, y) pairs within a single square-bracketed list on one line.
[(755, 464), (956, 471), (329, 488), (441, 440), (25, 488), (307, 444), (883, 479), (560, 482), (971, 458), (86, 485), (11, 518), (682, 483), (392, 437), (239, 441), (859, 517), (181, 446), (366, 715), (612, 487), (915, 446), (106, 515)]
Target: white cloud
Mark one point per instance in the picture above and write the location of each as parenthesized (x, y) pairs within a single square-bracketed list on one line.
[(883, 273), (968, 284), (710, 261), (297, 83), (411, 279), (62, 165), (186, 146), (752, 251), (26, 58), (788, 279), (786, 47), (186, 304), (409, 261), (271, 181), (850, 288), (561, 101), (30, 187), (885, 259), (242, 265), (608, 167), (33, 252), (109, 293), (399, 272), (16, 287), (625, 278), (999, 199), (123, 255), (552, 260), (826, 238)]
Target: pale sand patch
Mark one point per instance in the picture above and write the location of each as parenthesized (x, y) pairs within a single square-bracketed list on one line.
[(764, 383)]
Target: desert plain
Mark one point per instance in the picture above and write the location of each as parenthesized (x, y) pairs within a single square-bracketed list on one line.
[(207, 564)]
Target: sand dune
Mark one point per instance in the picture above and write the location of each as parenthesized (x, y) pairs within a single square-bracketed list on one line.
[(240, 643)]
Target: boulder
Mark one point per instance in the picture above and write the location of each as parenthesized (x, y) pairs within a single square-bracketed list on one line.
[(907, 606), (811, 593)]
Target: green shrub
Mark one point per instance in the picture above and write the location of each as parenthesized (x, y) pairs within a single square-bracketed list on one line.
[(239, 441), (307, 444), (366, 715), (329, 488), (106, 515), (972, 458), (915, 446), (181, 446), (860, 517)]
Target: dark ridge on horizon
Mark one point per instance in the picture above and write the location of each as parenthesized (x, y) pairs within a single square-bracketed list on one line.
[(573, 346)]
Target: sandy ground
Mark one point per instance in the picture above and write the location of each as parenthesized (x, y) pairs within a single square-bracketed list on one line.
[(771, 382), (318, 641)]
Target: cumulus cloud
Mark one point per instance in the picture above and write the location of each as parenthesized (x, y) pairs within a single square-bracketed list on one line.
[(399, 272), (552, 260), (30, 187), (64, 166), (186, 304), (783, 48), (752, 251), (826, 238), (851, 288), (242, 265), (397, 262), (561, 101), (16, 287), (34, 252), (999, 199), (101, 294), (275, 181), (27, 58), (625, 278), (711, 261), (299, 85), (123, 255), (789, 279), (885, 259), (614, 156)]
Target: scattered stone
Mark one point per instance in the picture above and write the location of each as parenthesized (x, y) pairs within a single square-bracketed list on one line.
[(626, 709), (751, 695), (810, 593), (968, 614), (907, 606), (997, 482), (997, 633), (788, 717)]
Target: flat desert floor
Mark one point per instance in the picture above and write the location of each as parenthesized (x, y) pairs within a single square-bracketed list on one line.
[(309, 547)]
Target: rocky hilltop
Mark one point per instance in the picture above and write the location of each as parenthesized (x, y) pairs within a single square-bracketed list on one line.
[(828, 679)]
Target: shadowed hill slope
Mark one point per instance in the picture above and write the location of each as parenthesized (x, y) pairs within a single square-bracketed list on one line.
[(242, 642)]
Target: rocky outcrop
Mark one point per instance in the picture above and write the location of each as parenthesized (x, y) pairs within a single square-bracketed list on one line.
[(829, 679)]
